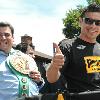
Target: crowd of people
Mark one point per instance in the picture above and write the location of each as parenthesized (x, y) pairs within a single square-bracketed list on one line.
[(74, 67)]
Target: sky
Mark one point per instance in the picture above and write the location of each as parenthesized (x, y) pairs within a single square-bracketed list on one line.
[(41, 19)]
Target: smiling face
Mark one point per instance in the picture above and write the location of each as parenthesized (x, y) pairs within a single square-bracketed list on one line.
[(90, 31), (6, 39)]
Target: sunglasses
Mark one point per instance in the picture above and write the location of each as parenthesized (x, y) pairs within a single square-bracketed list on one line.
[(90, 21)]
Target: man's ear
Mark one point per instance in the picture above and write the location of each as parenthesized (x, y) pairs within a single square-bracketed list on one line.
[(13, 38), (80, 21)]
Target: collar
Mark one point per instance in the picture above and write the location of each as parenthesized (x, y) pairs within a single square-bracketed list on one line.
[(6, 54)]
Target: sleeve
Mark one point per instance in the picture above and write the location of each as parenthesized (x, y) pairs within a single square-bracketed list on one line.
[(41, 83)]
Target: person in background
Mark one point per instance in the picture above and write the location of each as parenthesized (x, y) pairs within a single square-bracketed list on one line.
[(19, 75), (77, 60), (26, 48), (29, 49)]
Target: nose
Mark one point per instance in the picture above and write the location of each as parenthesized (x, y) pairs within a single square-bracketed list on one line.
[(3, 36), (94, 24)]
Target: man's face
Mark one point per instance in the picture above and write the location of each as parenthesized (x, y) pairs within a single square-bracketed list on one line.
[(90, 25), (6, 39)]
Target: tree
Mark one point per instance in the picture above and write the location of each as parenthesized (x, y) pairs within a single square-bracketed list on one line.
[(91, 1), (71, 23)]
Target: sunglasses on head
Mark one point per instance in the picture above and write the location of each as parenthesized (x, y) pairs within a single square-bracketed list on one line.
[(91, 21)]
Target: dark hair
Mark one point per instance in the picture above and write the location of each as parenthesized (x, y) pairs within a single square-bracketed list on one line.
[(5, 24), (23, 47), (91, 8)]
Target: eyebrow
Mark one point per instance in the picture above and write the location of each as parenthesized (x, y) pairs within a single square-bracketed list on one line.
[(4, 33)]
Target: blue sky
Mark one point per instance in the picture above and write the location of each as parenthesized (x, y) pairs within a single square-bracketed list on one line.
[(41, 19)]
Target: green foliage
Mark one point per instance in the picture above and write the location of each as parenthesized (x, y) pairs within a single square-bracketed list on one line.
[(91, 1), (71, 23)]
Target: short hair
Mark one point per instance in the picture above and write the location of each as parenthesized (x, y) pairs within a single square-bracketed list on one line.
[(5, 24), (90, 8), (23, 47)]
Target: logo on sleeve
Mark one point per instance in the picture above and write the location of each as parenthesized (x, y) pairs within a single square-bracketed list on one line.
[(81, 47)]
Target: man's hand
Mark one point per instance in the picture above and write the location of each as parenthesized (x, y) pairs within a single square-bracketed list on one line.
[(36, 76), (58, 59), (57, 62)]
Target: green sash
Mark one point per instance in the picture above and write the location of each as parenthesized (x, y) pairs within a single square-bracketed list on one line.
[(19, 66)]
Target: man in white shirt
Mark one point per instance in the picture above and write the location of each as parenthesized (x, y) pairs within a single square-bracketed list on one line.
[(19, 75)]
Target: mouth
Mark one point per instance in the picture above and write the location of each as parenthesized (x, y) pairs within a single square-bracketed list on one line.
[(3, 44), (93, 31)]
